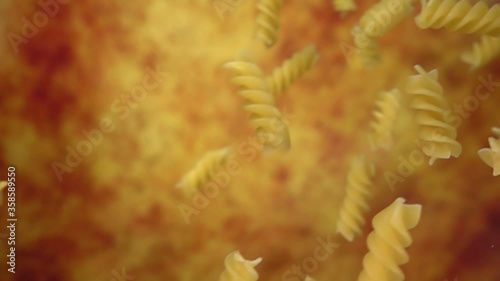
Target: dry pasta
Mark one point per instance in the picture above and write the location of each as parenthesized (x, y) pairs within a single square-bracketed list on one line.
[(437, 135), (367, 50), (460, 15), (238, 268), (388, 240), (371, 23), (496, 131), (483, 52), (283, 76), (344, 6), (271, 130), (491, 156), (210, 163), (357, 190), (384, 119), (268, 21)]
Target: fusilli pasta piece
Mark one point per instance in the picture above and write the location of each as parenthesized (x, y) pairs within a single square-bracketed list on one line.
[(268, 21), (491, 156), (357, 190), (496, 131), (385, 119), (373, 25), (210, 163), (271, 129), (344, 6), (388, 240), (460, 15), (483, 52), (283, 76), (367, 49), (430, 105), (239, 269)]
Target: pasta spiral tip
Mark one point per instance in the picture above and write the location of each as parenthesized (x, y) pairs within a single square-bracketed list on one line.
[(268, 21), (460, 15), (238, 268), (430, 106), (293, 68), (357, 190), (385, 119), (210, 163), (483, 52), (388, 240), (491, 156)]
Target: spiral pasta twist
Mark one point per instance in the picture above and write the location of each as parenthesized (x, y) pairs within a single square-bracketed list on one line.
[(344, 6), (268, 21), (210, 163), (271, 128), (483, 52), (239, 269), (385, 120), (367, 50), (388, 240), (374, 26), (491, 156), (460, 15), (357, 190), (283, 76), (430, 105)]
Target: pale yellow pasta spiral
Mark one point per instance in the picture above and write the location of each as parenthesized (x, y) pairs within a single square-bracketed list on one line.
[(210, 163), (491, 156), (460, 15), (271, 128), (357, 190), (344, 6), (268, 21), (483, 52), (238, 268), (380, 18), (430, 105), (388, 240), (384, 120), (283, 76)]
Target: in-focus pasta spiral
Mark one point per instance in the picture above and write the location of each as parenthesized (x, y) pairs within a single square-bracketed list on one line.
[(210, 163), (483, 52), (271, 128), (357, 190), (491, 156), (268, 21), (388, 240), (384, 119), (344, 6), (238, 268), (283, 76), (428, 101), (460, 15)]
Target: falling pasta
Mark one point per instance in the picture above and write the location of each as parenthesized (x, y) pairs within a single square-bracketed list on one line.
[(460, 15), (210, 163), (430, 105), (344, 6), (357, 190), (491, 156), (388, 240), (238, 268), (283, 76), (367, 50), (268, 21), (384, 120), (271, 129), (483, 52)]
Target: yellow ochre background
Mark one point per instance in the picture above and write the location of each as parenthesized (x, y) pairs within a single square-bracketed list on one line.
[(117, 211)]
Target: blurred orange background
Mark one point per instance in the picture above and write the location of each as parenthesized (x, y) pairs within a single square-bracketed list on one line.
[(113, 214)]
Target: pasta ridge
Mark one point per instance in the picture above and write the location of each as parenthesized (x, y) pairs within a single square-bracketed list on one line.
[(355, 201), (201, 172), (260, 103), (491, 155), (388, 240), (483, 52), (238, 268), (430, 107), (283, 76), (268, 21), (460, 15), (384, 119)]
